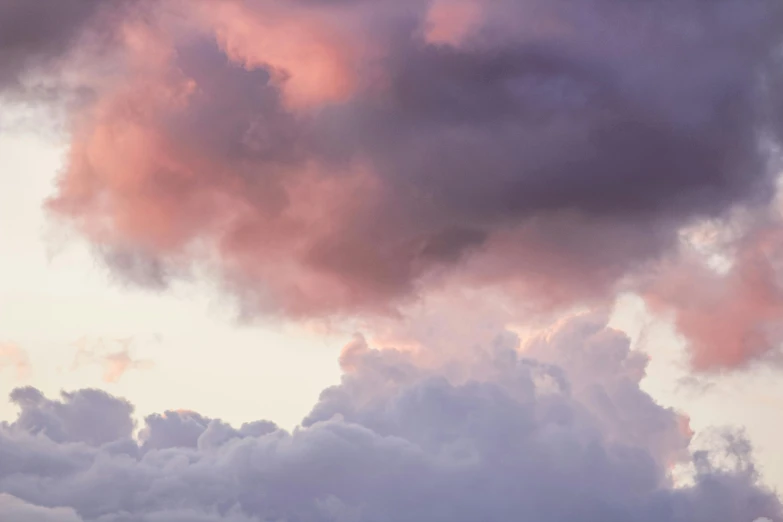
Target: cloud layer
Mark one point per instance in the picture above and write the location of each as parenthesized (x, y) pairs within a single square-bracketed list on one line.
[(340, 158), (560, 431)]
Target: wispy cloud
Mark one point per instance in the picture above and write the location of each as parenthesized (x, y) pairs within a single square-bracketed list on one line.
[(114, 357), (16, 359)]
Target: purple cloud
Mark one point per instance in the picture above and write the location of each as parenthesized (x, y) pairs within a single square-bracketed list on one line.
[(558, 431)]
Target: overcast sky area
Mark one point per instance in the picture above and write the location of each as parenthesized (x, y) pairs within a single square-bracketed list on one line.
[(401, 260)]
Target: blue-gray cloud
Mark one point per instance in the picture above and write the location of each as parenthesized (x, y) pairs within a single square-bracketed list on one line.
[(560, 433)]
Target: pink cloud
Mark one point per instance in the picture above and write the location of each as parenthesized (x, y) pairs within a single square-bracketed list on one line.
[(733, 318), (449, 22), (14, 357), (114, 363), (335, 159)]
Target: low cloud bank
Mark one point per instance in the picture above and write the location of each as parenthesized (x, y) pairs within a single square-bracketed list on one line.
[(554, 431)]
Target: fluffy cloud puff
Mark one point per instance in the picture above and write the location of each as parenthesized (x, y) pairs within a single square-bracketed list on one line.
[(556, 431)]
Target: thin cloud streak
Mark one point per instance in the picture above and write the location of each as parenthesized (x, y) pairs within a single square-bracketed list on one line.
[(15, 358), (115, 363)]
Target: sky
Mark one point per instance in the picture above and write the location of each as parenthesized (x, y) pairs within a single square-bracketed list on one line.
[(436, 260)]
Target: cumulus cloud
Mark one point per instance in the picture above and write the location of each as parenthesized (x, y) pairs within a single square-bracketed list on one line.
[(555, 430), (188, 429), (340, 158), (90, 417)]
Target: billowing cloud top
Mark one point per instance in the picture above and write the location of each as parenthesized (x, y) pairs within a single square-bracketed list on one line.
[(343, 157), (560, 433)]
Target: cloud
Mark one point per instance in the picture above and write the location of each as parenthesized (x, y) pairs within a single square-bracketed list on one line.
[(12, 356), (556, 431), (730, 316), (41, 41), (88, 416), (187, 429), (335, 158), (115, 363), (15, 510)]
